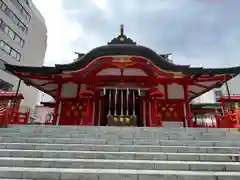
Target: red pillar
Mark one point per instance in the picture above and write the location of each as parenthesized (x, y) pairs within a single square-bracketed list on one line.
[(148, 123), (88, 118), (93, 115), (153, 112), (96, 112), (101, 110), (57, 100), (187, 107)]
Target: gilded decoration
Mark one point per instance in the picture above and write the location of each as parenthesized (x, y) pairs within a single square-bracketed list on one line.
[(122, 120), (73, 111), (66, 75), (170, 111), (122, 61)]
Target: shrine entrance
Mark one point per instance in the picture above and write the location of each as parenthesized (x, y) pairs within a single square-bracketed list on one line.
[(121, 107)]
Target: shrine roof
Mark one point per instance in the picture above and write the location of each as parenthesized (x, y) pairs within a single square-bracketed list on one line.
[(122, 45), (122, 50)]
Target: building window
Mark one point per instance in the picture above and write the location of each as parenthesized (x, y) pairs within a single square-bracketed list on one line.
[(24, 13), (3, 6), (1, 44), (13, 17), (5, 86), (12, 34), (10, 51), (2, 65), (7, 48), (24, 1), (218, 94), (14, 54), (22, 27), (18, 56), (21, 42)]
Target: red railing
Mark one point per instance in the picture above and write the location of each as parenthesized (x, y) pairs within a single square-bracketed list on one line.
[(13, 118), (19, 118), (3, 119)]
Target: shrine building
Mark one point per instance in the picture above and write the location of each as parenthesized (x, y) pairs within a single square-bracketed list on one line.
[(122, 84)]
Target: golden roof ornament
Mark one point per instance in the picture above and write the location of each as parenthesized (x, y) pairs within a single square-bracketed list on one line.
[(121, 29), (122, 38)]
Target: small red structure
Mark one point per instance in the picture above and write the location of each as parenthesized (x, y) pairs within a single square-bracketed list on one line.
[(123, 84), (9, 109), (231, 111)]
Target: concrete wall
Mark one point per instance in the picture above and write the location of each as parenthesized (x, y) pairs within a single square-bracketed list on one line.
[(234, 86), (34, 54), (33, 51)]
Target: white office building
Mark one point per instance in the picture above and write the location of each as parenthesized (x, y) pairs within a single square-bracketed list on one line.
[(23, 41)]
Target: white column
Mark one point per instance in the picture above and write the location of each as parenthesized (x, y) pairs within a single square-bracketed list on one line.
[(109, 103), (93, 113), (99, 111), (121, 92), (144, 114), (150, 114), (115, 109), (59, 113), (127, 101), (185, 115), (104, 91), (139, 92), (133, 103)]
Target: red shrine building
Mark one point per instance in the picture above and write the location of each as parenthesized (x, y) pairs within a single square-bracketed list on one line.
[(122, 84)]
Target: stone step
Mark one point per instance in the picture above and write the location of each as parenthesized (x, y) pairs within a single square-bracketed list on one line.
[(120, 155), (118, 141), (15, 179), (107, 129), (120, 148), (150, 134), (119, 164), (164, 136), (109, 174)]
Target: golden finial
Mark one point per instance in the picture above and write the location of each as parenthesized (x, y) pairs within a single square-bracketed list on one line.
[(121, 29)]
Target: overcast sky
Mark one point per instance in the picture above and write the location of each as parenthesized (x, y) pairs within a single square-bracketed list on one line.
[(198, 32)]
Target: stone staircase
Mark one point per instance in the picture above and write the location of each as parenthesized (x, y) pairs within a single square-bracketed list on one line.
[(113, 153)]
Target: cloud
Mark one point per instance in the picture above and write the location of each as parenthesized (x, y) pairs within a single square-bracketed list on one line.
[(198, 32), (62, 31)]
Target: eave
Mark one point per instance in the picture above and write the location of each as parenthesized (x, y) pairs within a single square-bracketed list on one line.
[(118, 50), (42, 77)]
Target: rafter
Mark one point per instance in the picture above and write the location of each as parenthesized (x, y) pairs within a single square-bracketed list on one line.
[(200, 85), (192, 92)]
